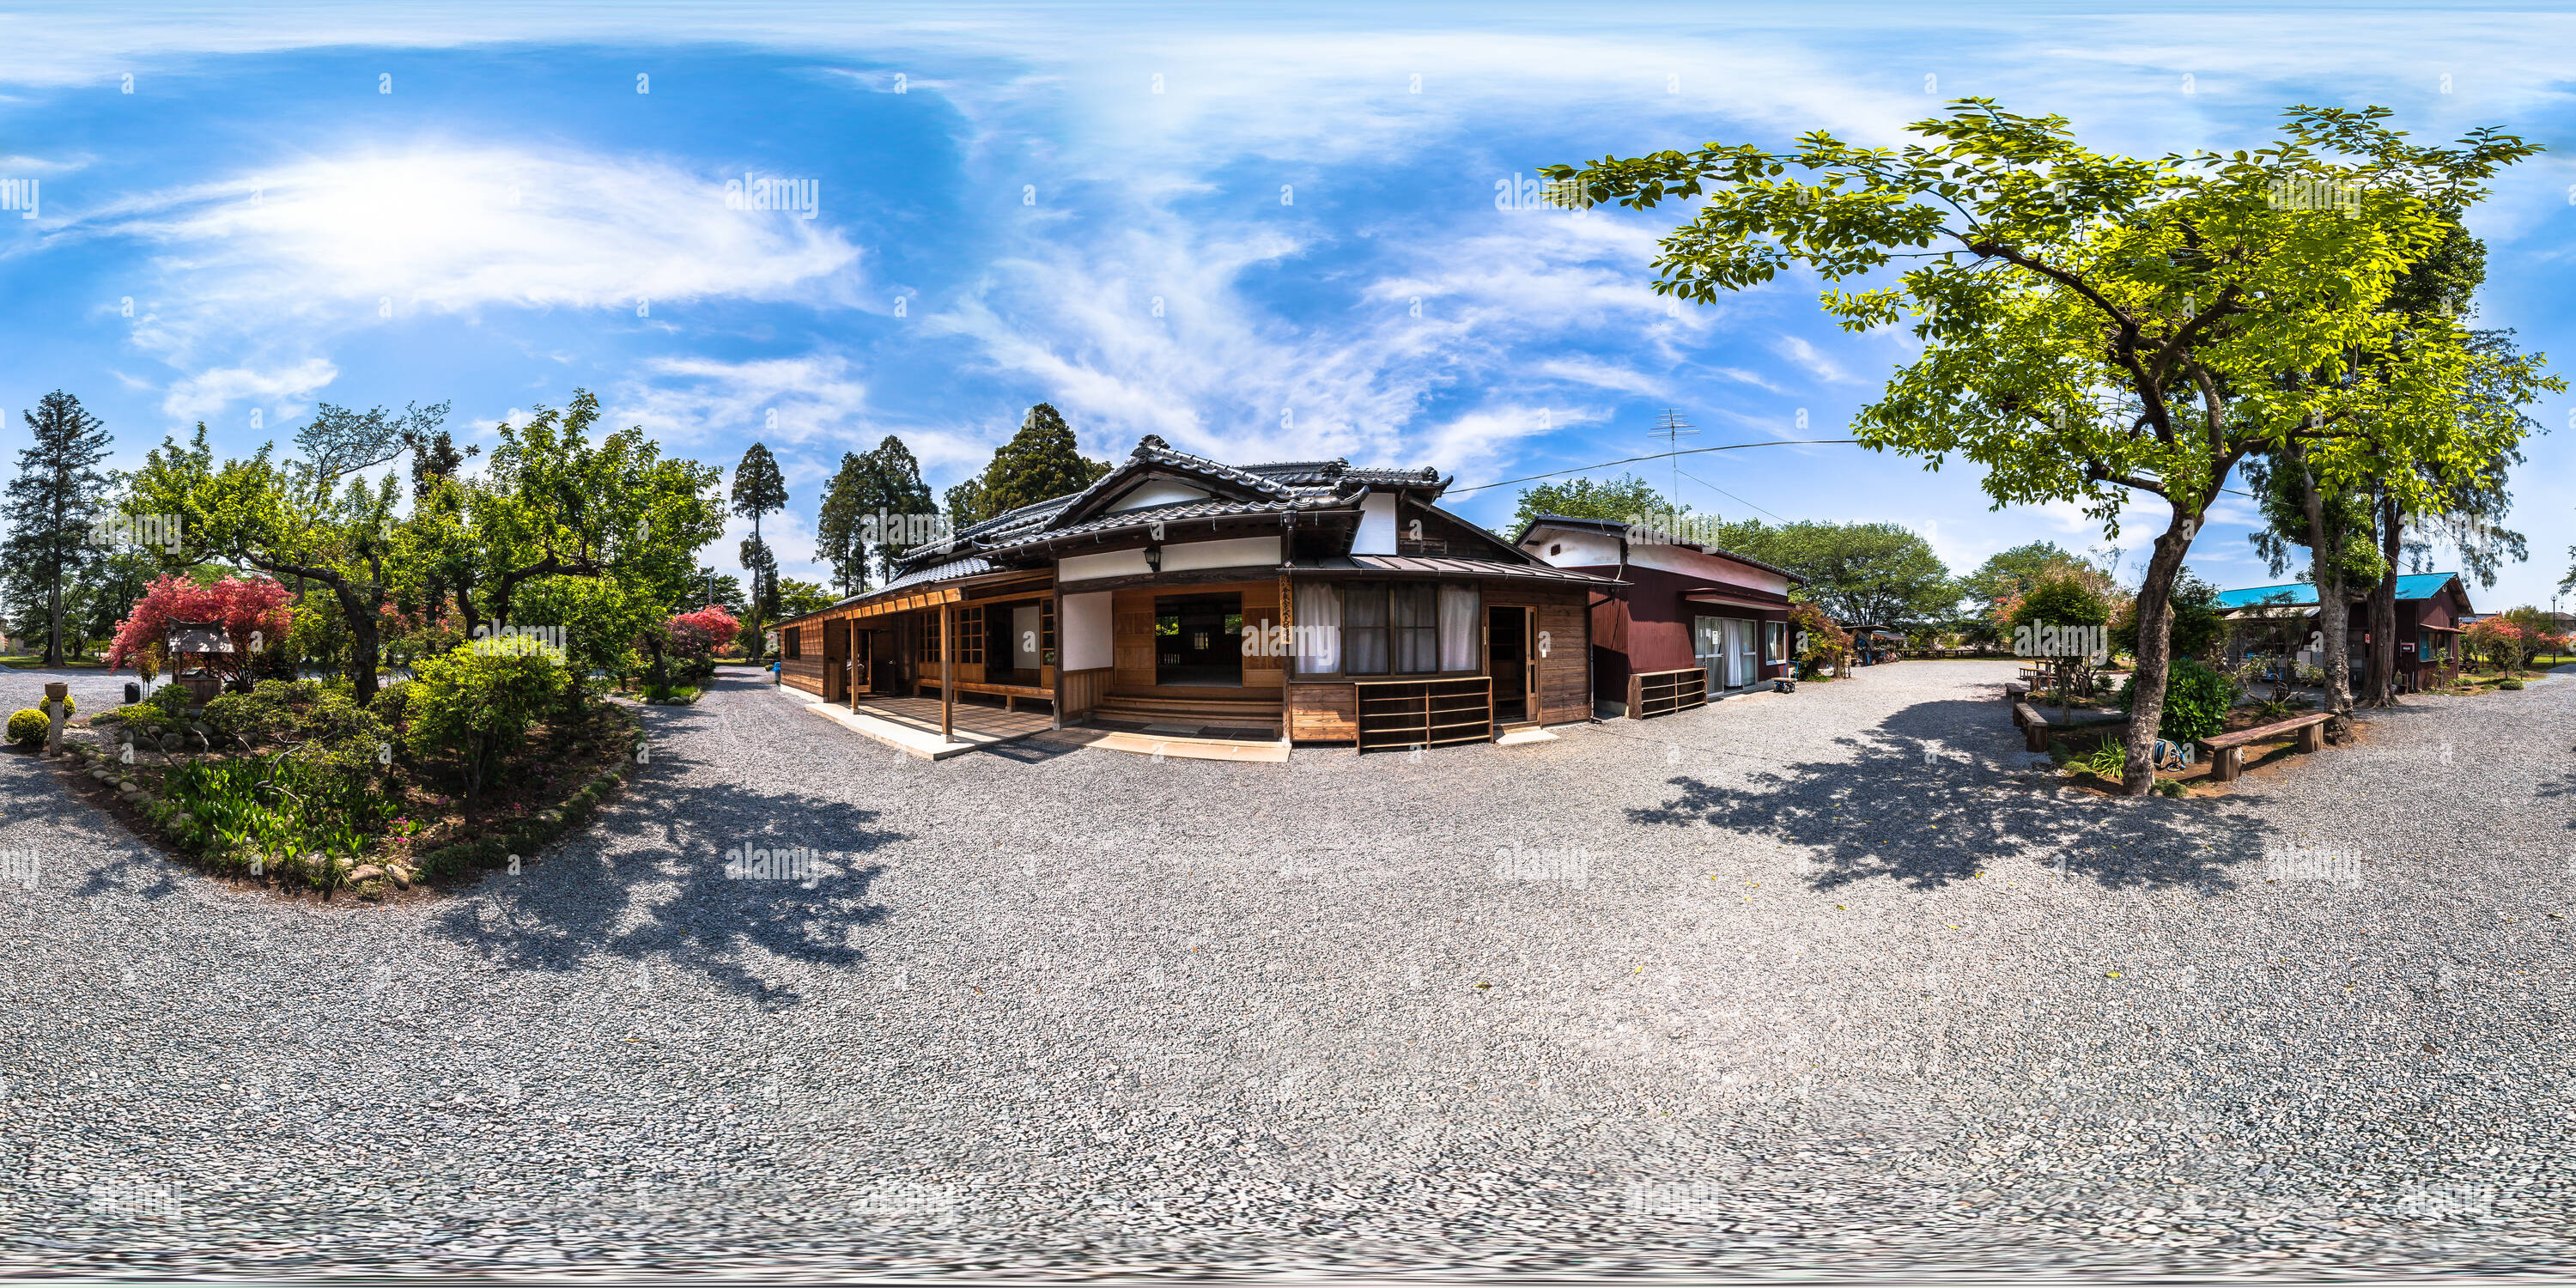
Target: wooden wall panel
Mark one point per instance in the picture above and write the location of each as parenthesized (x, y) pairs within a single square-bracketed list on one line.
[(1564, 690), (1084, 689), (802, 673), (1131, 636), (1322, 713), (1260, 609)]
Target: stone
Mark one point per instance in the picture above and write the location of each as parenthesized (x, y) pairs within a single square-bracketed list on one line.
[(402, 875), (365, 872)]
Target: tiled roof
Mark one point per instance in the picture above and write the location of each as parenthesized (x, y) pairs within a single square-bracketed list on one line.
[(1439, 566), (2421, 585), (1282, 486), (1615, 527)]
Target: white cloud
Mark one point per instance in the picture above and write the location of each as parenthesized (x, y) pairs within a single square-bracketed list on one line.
[(777, 401), (330, 246), (276, 392), (1809, 358)]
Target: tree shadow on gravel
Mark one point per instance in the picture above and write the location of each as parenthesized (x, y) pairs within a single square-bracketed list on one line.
[(1934, 797), (647, 882)]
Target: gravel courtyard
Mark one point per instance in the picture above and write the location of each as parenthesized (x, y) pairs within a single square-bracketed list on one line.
[(1831, 979)]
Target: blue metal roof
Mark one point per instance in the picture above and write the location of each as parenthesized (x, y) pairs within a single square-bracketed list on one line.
[(2422, 585)]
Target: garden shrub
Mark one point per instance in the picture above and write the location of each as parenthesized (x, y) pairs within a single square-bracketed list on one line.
[(27, 728), (2509, 684), (2197, 700), (392, 705), (171, 700), (477, 706)]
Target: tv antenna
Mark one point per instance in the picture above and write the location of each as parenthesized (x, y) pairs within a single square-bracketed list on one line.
[(1671, 428)]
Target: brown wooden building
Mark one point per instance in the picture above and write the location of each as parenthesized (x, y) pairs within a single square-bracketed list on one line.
[(1309, 600), (2281, 621), (1691, 620)]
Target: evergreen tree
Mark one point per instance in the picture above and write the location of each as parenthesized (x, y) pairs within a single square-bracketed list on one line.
[(840, 530), (966, 506), (52, 502), (757, 490), (896, 479), (1040, 462)]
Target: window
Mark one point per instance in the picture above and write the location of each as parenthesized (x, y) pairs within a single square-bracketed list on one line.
[(1364, 628), (925, 636), (792, 640), (1460, 640), (1318, 633), (1413, 610), (1775, 642), (1046, 629), (970, 635)]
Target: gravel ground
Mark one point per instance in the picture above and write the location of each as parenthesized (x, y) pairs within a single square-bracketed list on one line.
[(1828, 980)]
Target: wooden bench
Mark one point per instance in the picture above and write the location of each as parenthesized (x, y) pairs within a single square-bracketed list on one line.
[(2016, 690), (1010, 694), (2230, 747), (2034, 726)]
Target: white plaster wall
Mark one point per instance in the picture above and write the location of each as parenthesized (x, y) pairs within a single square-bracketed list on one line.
[(1116, 563), (1598, 549), (1236, 552), (1377, 525), (1691, 563), (1157, 492), (1082, 632)]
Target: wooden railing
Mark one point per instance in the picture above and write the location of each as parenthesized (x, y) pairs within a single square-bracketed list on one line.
[(1424, 713), (1659, 693)]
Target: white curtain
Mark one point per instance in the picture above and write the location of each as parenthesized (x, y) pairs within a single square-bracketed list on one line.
[(1318, 629), (1458, 634)]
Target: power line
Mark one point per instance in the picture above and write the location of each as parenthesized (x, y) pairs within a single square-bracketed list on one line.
[(1687, 451), (1719, 490)]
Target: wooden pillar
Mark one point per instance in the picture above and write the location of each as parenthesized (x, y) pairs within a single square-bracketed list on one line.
[(947, 675)]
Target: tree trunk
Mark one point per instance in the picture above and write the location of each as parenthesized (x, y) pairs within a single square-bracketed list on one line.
[(2383, 609), (54, 619), (2334, 611), (2155, 652)]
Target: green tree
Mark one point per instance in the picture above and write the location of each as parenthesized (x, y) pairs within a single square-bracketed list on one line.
[(797, 598), (895, 483), (286, 519), (2196, 626), (53, 499), (476, 704), (2098, 327), (1882, 574), (1040, 462), (2014, 573), (840, 534), (757, 490), (965, 504), (1619, 500)]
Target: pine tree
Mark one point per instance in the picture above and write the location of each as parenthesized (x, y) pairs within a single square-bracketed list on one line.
[(1040, 462), (840, 533), (757, 490), (52, 502), (896, 479)]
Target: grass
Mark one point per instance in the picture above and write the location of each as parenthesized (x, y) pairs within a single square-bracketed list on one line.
[(36, 662)]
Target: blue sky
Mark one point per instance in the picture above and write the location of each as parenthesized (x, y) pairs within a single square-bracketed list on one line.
[(1216, 227)]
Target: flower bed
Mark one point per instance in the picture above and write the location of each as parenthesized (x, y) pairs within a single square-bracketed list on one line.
[(294, 785)]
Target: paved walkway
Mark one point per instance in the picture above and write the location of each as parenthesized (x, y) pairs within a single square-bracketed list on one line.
[(1828, 979)]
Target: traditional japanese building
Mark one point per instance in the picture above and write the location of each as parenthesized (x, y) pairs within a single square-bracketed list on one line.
[(1309, 600)]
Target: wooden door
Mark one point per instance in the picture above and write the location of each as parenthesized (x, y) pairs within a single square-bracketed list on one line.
[(862, 662), (836, 655)]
